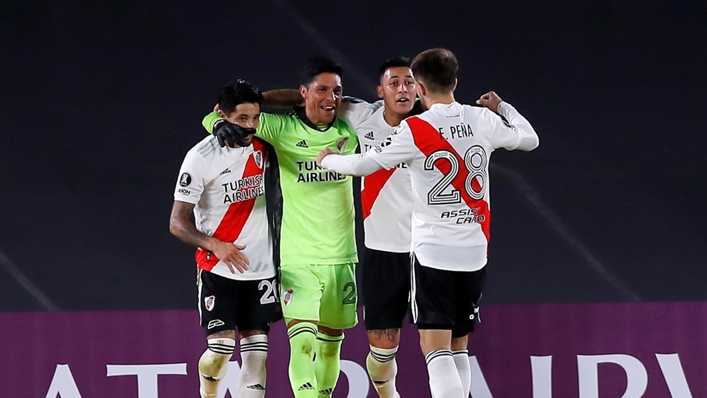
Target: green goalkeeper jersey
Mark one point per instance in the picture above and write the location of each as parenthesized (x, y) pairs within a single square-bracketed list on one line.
[(318, 210)]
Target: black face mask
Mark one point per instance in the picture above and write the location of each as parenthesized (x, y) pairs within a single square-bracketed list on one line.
[(242, 133)]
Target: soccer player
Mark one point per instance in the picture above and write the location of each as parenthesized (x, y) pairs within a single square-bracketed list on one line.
[(447, 150), (223, 187), (386, 202), (387, 211), (318, 248)]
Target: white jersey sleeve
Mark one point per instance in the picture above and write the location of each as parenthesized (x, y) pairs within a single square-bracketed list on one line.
[(526, 140), (388, 155), (400, 148), (355, 111), (357, 164), (192, 178)]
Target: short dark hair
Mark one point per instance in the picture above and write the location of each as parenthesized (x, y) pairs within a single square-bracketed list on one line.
[(436, 68), (238, 92), (316, 66), (395, 62)]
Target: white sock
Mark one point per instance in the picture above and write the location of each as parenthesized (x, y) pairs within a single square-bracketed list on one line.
[(444, 379), (461, 360), (213, 365), (382, 368), (251, 380)]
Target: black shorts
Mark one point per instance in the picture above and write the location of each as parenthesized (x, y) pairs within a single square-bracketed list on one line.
[(229, 304), (386, 289), (446, 300)]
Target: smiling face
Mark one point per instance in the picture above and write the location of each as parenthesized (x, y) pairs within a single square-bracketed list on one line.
[(322, 97), (398, 90)]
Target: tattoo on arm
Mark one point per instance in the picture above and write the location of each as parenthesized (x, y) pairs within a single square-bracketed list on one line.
[(181, 226)]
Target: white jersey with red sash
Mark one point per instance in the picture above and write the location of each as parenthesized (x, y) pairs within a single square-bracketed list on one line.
[(386, 201), (227, 186), (447, 150)]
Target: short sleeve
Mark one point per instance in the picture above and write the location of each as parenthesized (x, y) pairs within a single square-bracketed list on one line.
[(191, 181), (354, 110), (271, 126)]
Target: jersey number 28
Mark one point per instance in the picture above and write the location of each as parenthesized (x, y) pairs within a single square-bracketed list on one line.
[(475, 160)]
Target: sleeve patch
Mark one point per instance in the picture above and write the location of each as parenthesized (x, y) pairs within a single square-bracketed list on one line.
[(185, 179)]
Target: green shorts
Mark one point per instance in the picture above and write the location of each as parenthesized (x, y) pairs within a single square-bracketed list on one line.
[(325, 293)]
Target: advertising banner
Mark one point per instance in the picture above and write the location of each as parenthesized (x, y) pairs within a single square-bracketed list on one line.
[(628, 350)]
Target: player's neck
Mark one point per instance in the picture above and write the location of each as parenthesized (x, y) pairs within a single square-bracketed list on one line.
[(312, 117), (392, 118), (318, 123), (441, 98)]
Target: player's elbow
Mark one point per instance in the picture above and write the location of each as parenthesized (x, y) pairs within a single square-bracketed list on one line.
[(534, 143), (358, 172), (529, 143), (175, 227), (365, 168)]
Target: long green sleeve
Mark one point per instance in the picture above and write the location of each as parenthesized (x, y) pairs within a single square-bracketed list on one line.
[(209, 121)]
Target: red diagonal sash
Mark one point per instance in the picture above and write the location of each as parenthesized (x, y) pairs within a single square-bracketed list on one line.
[(429, 140), (231, 226), (372, 186)]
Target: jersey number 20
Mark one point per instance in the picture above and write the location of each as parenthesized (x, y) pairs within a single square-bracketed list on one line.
[(270, 294)]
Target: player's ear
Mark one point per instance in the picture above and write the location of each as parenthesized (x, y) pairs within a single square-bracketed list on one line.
[(455, 85), (222, 114), (421, 89), (303, 91), (379, 90)]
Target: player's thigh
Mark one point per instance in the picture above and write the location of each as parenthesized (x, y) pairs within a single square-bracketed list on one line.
[(257, 305), (300, 292), (386, 289), (217, 302), (469, 287), (340, 295)]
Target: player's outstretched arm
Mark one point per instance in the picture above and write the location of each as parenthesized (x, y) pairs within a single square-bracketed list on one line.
[(529, 139), (356, 165), (275, 98), (181, 226)]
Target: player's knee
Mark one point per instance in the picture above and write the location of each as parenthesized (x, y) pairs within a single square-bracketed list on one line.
[(329, 346), (254, 352), (306, 347), (215, 358), (303, 337)]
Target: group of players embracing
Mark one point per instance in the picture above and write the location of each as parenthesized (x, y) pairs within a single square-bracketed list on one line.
[(425, 199)]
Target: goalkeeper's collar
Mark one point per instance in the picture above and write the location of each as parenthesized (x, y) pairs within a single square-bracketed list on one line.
[(301, 113)]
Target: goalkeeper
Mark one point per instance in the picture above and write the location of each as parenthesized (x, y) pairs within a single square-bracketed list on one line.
[(318, 247)]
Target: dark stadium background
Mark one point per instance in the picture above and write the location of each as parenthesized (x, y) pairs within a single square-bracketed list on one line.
[(101, 100)]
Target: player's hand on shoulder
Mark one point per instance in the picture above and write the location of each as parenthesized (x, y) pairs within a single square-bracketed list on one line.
[(490, 100), (232, 256), (226, 132), (324, 153)]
